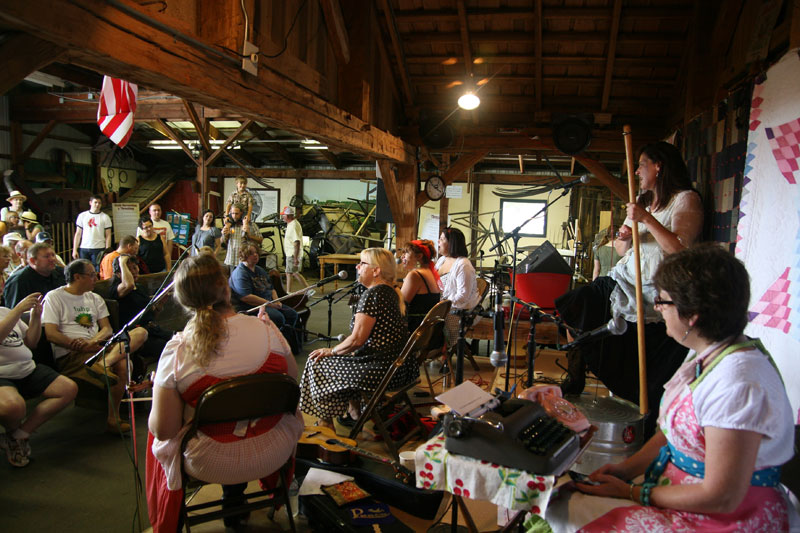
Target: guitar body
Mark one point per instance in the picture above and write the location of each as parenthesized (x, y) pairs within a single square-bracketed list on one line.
[(323, 443)]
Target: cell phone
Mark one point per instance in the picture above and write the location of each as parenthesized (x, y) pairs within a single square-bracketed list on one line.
[(581, 478)]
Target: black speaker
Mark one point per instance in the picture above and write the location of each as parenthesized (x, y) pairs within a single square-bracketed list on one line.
[(572, 134), (383, 213), (545, 258)]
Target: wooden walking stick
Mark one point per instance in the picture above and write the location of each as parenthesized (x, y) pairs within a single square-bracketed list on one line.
[(626, 135)]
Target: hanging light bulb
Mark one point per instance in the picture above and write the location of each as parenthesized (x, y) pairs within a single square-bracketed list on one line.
[(469, 101)]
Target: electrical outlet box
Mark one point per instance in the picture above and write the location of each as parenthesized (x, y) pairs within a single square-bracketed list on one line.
[(250, 59)]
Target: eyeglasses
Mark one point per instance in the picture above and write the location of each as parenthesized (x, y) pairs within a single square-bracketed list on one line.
[(362, 263), (660, 302)]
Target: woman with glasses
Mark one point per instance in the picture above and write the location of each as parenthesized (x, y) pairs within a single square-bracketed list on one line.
[(334, 378), (669, 213), (726, 421)]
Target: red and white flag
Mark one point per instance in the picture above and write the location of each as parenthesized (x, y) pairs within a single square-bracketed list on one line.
[(115, 113)]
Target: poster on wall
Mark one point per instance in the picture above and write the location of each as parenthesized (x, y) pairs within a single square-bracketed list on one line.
[(769, 218), (266, 202), (125, 217)]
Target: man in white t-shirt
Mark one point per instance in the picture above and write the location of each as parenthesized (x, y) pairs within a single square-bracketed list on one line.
[(93, 233), (292, 245), (21, 379), (160, 226), (76, 323)]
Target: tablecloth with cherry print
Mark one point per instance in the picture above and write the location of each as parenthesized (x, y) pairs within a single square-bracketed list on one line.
[(438, 469)]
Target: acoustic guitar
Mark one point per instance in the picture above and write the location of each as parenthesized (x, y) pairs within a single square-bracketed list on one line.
[(323, 443)]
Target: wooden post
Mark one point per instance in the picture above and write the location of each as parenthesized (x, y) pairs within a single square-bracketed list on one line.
[(626, 133), (202, 180)]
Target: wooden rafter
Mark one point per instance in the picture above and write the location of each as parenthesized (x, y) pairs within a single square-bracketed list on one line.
[(166, 130), (463, 26), (384, 55), (551, 37), (122, 46), (37, 141), (612, 51), (337, 32), (427, 16), (394, 35), (22, 54), (539, 54), (224, 147), (198, 126), (331, 158), (261, 132)]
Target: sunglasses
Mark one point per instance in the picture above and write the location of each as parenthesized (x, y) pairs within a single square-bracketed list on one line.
[(659, 302)]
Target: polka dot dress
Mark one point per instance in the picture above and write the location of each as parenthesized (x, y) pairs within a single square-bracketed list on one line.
[(329, 383)]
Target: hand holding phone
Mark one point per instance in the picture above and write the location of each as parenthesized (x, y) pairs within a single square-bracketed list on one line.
[(581, 478)]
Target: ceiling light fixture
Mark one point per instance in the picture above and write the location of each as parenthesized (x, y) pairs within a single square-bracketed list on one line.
[(469, 101)]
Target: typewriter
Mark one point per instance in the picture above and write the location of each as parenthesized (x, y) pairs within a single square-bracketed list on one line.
[(517, 434)]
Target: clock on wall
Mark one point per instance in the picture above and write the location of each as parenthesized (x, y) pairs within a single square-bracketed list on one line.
[(435, 188)]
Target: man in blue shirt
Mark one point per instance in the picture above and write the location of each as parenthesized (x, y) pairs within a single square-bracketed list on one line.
[(251, 287)]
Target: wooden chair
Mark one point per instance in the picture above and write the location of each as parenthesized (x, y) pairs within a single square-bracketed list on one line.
[(382, 402), (241, 398)]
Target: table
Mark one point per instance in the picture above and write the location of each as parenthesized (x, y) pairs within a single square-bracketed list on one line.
[(336, 260), (517, 490)]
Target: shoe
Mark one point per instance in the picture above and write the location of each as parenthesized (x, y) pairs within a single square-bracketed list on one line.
[(346, 421), (99, 371), (123, 427), (15, 451)]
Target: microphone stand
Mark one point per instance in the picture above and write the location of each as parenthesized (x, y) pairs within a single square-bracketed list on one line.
[(329, 297), (514, 234)]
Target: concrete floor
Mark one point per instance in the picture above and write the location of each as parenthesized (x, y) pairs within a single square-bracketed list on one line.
[(83, 479)]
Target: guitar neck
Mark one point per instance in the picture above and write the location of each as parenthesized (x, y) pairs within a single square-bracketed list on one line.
[(405, 472)]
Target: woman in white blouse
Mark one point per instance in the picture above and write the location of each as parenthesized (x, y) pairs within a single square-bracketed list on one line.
[(459, 282)]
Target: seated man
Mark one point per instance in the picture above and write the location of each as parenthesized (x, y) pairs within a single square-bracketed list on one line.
[(39, 275), (21, 379), (250, 287), (132, 299), (128, 245), (45, 237), (76, 323)]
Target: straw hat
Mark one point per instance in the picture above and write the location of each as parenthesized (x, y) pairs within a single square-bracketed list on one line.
[(16, 194), (29, 216)]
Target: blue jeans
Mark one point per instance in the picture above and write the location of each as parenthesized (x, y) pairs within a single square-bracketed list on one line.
[(92, 254), (286, 319)]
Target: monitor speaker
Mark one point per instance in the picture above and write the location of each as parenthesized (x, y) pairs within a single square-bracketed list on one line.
[(545, 258)]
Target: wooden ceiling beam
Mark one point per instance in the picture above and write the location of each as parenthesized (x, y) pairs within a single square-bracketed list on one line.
[(448, 80), (463, 27), (337, 32), (397, 45), (126, 47), (456, 171), (539, 54), (426, 16), (247, 157), (550, 37), (21, 54), (41, 136), (384, 54), (523, 59), (275, 173), (331, 158), (224, 147), (260, 132), (166, 130), (612, 50), (199, 127)]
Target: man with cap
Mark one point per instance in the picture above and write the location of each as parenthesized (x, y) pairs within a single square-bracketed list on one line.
[(45, 237), (40, 275), (16, 199), (292, 245), (31, 223), (93, 233)]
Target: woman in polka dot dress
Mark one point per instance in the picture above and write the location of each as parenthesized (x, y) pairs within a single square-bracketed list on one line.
[(334, 378)]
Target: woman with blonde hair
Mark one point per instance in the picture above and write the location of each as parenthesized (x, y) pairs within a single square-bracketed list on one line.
[(216, 344), (334, 378)]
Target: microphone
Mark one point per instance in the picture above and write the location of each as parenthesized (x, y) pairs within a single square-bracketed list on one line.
[(399, 260), (582, 180), (498, 357), (615, 326), (321, 337), (341, 275)]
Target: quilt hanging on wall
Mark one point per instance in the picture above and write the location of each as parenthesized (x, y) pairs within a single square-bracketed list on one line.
[(768, 239)]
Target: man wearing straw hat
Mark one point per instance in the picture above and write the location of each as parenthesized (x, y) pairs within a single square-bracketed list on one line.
[(16, 199)]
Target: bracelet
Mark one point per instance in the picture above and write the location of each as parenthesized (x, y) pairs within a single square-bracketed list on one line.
[(644, 495), (630, 495), (333, 351)]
